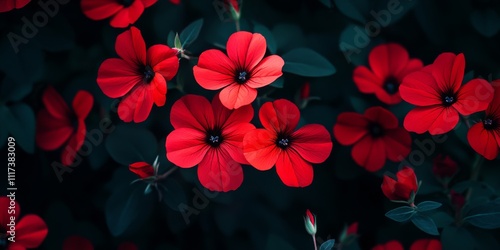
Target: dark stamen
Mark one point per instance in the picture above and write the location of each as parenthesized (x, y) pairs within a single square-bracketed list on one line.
[(283, 142), (391, 85), (375, 130), (149, 74), (214, 137), (490, 123), (242, 77)]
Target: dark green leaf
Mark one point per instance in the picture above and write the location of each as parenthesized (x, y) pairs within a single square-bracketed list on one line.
[(425, 223), (327, 3), (355, 44), (58, 35), (128, 144), (12, 90), (428, 205), (355, 9), (172, 193), (20, 122), (271, 43), (486, 216), (401, 214), (457, 238), (278, 83), (327, 245), (171, 39), (274, 243), (359, 104), (191, 32), (486, 22), (307, 62)]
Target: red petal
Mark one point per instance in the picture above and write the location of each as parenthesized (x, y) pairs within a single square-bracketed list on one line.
[(412, 66), (350, 128), (246, 49), (219, 172), (387, 59), (6, 211), (407, 178), (366, 81), (237, 95), (312, 142), (420, 88), (398, 144), (127, 15), (233, 140), (70, 152), (310, 216), (148, 3), (259, 148), (31, 230), (192, 111), (369, 153), (393, 245), (130, 45), (163, 60), (186, 147), (390, 99), (435, 119), (280, 115), (117, 77), (483, 141), (142, 169), (51, 133), (474, 96), (293, 170), (77, 243), (494, 107), (100, 9), (137, 105), (426, 244), (127, 246), (266, 72), (382, 116), (225, 117), (55, 104), (388, 187), (352, 229), (158, 89), (448, 70), (214, 70), (82, 104)]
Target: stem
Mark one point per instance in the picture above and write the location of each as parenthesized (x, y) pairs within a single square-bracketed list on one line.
[(238, 25), (314, 240), (476, 169), (166, 174), (467, 121)]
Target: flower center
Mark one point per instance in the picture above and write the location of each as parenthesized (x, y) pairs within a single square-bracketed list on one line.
[(391, 85), (489, 123), (214, 138), (283, 142), (375, 130), (242, 77), (449, 99), (149, 74), (126, 3)]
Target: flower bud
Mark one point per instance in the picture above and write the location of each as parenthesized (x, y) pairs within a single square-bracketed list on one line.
[(310, 222)]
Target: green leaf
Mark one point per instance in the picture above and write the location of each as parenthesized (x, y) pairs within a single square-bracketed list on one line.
[(171, 39), (486, 22), (327, 3), (177, 41), (307, 62), (278, 83), (191, 32), (271, 43), (20, 122), (14, 91), (274, 243), (425, 223), (428, 205), (486, 216), (457, 238), (327, 245), (172, 194), (128, 144), (359, 104), (401, 214), (354, 9)]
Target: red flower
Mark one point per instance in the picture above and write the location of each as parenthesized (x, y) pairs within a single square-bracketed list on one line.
[(444, 166), (310, 223), (122, 12), (57, 124), (142, 169), (426, 244), (484, 137), (352, 229), (278, 144), (242, 72), (30, 230), (376, 136), (389, 64), (403, 188), (139, 76), (77, 243), (210, 136), (391, 245), (8, 5), (437, 92)]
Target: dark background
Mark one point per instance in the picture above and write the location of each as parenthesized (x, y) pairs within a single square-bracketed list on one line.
[(262, 213)]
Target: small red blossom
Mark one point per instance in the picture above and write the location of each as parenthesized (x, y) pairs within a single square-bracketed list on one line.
[(310, 223), (234, 4), (241, 72), (122, 12), (59, 125), (30, 230), (403, 188), (139, 76), (76, 242), (305, 91), (457, 200), (426, 244), (376, 136), (210, 136), (444, 167), (142, 169), (352, 229), (279, 144), (438, 93), (389, 64), (484, 136), (390, 245), (8, 5)]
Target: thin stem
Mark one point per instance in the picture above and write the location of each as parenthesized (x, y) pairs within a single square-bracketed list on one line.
[(238, 25), (166, 174), (467, 121), (476, 169), (314, 240)]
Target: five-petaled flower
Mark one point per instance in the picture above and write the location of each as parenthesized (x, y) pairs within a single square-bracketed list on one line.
[(8, 5), (241, 72), (403, 188), (139, 76), (376, 136), (389, 64), (122, 12), (30, 231), (310, 223), (209, 135), (484, 136), (438, 93), (57, 124), (279, 144)]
